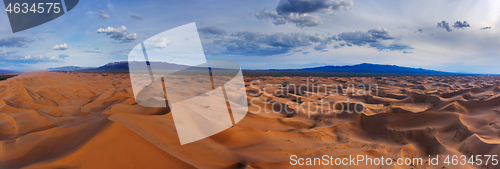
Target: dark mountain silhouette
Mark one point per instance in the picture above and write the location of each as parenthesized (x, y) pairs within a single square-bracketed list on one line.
[(69, 68), (3, 71), (373, 68), (122, 66), (364, 69)]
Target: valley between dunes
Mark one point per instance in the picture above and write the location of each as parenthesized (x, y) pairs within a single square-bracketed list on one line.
[(91, 120)]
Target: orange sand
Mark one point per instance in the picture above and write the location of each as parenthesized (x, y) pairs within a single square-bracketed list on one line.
[(91, 120)]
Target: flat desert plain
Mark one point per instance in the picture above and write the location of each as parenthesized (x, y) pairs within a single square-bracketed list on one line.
[(91, 120)]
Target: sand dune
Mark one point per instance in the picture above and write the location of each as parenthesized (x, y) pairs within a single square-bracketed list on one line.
[(91, 120)]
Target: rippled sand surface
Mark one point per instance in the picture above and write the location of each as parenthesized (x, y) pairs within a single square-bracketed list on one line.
[(91, 120)]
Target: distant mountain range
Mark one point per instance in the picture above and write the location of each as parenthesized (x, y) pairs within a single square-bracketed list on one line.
[(364, 69), (3, 71), (122, 67), (69, 68)]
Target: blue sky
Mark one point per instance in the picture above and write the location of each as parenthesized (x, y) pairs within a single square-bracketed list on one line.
[(271, 34)]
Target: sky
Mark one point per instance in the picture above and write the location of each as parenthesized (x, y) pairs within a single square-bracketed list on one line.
[(445, 35)]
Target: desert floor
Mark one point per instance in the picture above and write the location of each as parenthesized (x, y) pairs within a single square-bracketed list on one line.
[(75, 120)]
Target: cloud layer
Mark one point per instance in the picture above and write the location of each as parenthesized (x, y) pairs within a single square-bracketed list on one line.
[(96, 50), (13, 57), (312, 6), (457, 24), (15, 41), (461, 25), (444, 25), (212, 31), (259, 44), (373, 38), (301, 12)]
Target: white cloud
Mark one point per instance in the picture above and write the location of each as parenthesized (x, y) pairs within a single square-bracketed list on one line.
[(96, 50), (60, 47), (119, 35), (40, 57), (160, 42), (29, 59)]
